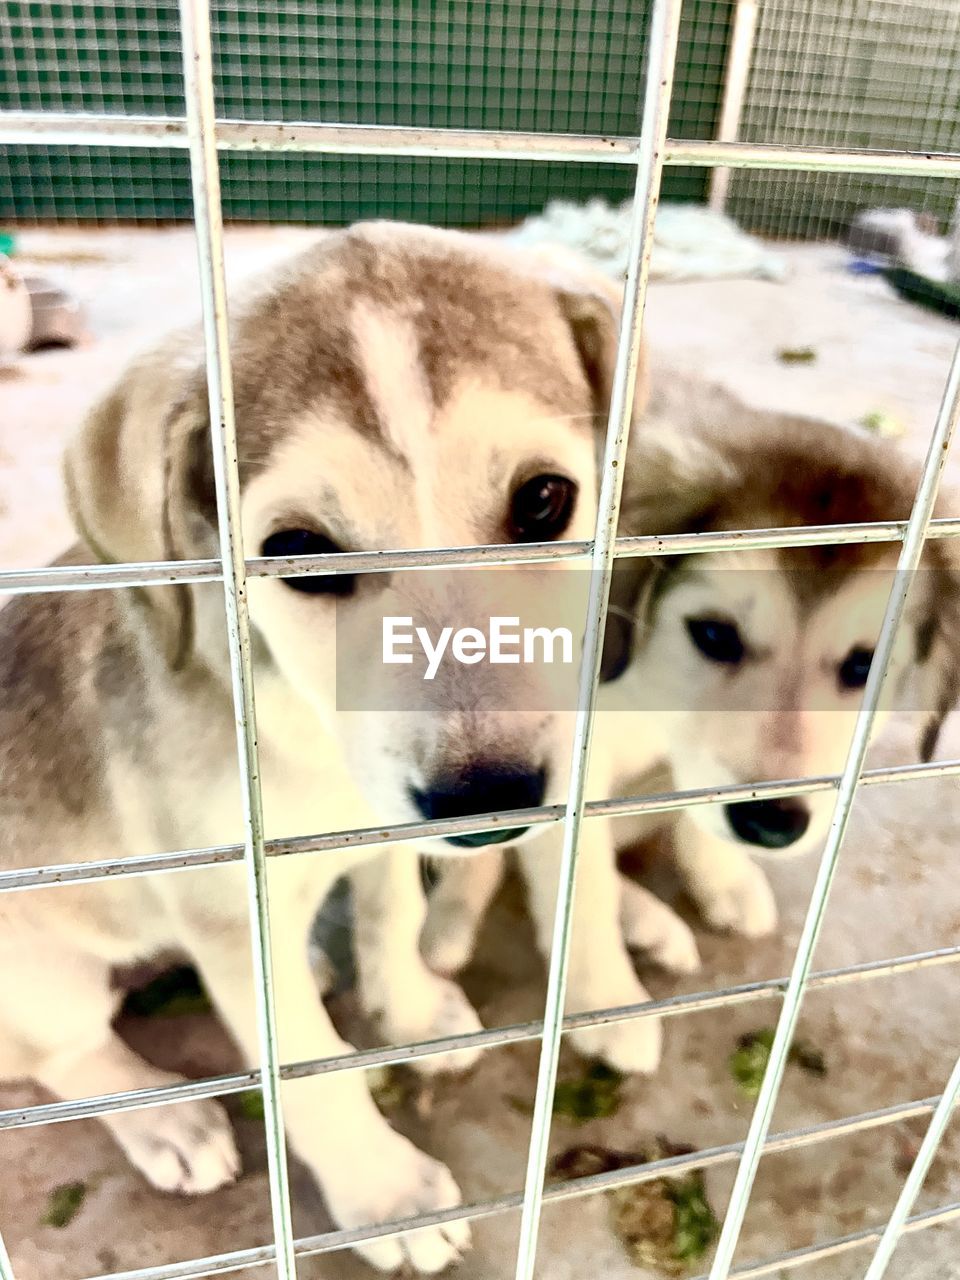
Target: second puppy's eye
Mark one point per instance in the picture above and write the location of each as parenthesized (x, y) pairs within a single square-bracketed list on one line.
[(854, 669), (304, 542), (541, 509), (717, 640)]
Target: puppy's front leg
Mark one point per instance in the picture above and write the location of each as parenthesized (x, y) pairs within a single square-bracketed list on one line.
[(652, 927), (411, 1001), (730, 889), (601, 973), (457, 906), (368, 1172)]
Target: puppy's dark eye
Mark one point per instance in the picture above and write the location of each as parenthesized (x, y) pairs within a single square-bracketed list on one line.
[(304, 542), (717, 640), (854, 669), (541, 509)]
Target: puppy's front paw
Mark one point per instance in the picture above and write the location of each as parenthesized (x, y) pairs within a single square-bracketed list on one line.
[(649, 925), (632, 1046), (438, 1009), (448, 937), (402, 1182), (186, 1148), (628, 1047), (743, 905)]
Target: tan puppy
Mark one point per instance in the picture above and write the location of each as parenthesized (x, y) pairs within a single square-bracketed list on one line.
[(733, 667), (395, 387)]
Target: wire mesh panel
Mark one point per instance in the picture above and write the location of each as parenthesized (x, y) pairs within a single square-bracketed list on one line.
[(848, 73), (568, 66), (642, 166)]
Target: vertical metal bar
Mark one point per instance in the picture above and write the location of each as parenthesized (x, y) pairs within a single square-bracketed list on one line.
[(208, 218), (907, 565), (916, 1177), (6, 1267), (662, 45), (734, 92)]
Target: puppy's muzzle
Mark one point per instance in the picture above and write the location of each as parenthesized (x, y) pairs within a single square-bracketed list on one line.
[(478, 789), (771, 824)]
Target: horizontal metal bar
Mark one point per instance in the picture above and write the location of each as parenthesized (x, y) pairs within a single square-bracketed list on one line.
[(917, 1176), (796, 1258), (765, 155), (50, 128), (55, 128), (417, 832), (488, 1038), (672, 1166), (101, 576)]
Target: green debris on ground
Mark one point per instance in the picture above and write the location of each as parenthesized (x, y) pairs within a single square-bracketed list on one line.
[(251, 1104), (664, 1223), (173, 994), (748, 1062), (401, 1088), (796, 355), (64, 1204), (391, 1088), (696, 1223), (592, 1096), (808, 1058), (883, 424)]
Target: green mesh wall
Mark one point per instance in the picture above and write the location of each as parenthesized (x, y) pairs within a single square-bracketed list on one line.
[(849, 73), (561, 65)]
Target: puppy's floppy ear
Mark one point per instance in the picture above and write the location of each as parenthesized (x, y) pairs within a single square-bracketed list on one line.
[(631, 592), (673, 480), (592, 303), (938, 647), (139, 473)]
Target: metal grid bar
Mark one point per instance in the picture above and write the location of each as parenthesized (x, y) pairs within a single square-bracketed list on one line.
[(6, 1267), (30, 127), (489, 1038), (661, 59), (833, 1248), (96, 577), (417, 832), (915, 1178), (791, 1140), (205, 181), (909, 559), (50, 128)]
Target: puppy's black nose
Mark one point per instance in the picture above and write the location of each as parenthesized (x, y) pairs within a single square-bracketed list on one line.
[(482, 788), (772, 824)]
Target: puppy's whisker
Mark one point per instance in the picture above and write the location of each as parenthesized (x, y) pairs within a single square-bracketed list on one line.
[(563, 417), (627, 615)]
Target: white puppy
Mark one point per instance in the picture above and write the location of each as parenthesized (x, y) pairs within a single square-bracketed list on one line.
[(728, 668), (396, 387)]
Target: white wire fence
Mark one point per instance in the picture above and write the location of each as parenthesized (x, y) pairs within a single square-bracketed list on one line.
[(827, 72), (203, 136)]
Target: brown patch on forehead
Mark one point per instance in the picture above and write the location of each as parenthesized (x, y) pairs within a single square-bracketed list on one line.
[(293, 347), (796, 473), (816, 475), (294, 352)]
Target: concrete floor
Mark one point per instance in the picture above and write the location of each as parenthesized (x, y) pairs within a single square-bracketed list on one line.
[(884, 1042)]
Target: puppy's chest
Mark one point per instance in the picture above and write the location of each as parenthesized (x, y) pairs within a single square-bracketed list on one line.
[(305, 791)]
